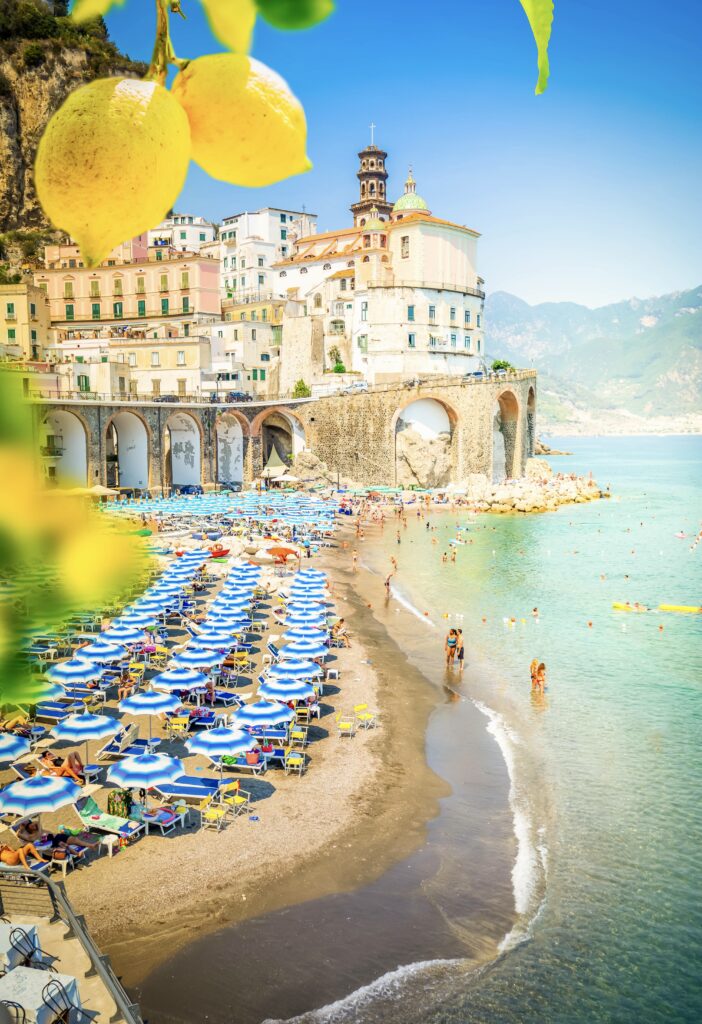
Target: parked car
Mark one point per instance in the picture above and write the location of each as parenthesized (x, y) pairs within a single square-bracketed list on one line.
[(167, 398), (357, 388), (239, 396), (413, 382), (228, 485), (189, 489), (475, 375)]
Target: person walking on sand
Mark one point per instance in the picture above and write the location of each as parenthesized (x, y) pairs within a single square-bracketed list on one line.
[(354, 560), (399, 538), (450, 647), (453, 554), (460, 650), (387, 583)]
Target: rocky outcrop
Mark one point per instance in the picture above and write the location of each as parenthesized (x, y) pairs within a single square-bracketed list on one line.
[(538, 491), (421, 461), (36, 76), (543, 449)]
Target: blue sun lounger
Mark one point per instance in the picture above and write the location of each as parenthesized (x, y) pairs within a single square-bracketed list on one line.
[(189, 787), (56, 711), (125, 744)]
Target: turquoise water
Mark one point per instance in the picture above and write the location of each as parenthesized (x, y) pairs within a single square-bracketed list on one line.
[(606, 772)]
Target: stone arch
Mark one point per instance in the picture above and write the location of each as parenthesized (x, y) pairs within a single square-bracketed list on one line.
[(127, 448), (279, 428), (531, 422), (182, 450), (505, 421), (65, 448), (232, 432), (425, 439)]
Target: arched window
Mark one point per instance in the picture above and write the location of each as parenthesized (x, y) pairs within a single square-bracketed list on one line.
[(372, 163), (327, 266), (371, 188), (303, 270), (363, 188), (366, 259), (318, 301), (283, 273)]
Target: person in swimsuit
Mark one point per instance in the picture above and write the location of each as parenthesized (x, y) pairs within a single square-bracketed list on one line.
[(13, 858), (460, 649), (450, 646)]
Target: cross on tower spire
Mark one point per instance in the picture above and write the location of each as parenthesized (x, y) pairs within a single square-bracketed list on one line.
[(372, 127)]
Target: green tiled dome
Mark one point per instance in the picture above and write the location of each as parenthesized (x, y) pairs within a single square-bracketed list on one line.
[(410, 200)]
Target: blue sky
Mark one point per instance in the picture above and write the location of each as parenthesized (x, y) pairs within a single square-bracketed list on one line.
[(590, 192)]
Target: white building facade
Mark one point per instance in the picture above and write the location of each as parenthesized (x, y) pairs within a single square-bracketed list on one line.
[(249, 245), (183, 232), (394, 298)]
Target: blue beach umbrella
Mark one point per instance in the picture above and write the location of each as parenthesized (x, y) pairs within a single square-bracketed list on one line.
[(144, 771), (150, 703), (305, 605), (306, 618), (121, 634), (304, 633), (179, 679), (304, 649), (76, 670), (83, 727), (212, 640), (262, 714), (12, 746), (132, 618), (197, 658), (287, 670), (221, 742), (103, 652), (279, 689), (38, 794), (223, 623)]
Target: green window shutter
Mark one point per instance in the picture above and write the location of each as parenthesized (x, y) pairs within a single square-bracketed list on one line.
[(95, 310), (141, 307), (164, 305), (69, 312)]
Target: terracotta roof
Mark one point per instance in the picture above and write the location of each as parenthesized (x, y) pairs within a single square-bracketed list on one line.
[(416, 216), (348, 272)]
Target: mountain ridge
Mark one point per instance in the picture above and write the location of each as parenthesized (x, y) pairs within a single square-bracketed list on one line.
[(618, 367)]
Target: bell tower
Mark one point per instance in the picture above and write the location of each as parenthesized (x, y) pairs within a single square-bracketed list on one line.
[(372, 176)]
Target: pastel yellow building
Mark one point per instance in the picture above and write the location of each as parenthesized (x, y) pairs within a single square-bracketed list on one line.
[(24, 321)]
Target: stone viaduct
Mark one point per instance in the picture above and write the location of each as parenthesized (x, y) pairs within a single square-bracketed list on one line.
[(486, 426)]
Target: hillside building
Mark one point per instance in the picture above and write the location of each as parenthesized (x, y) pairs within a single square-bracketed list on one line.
[(25, 321), (183, 232), (249, 245)]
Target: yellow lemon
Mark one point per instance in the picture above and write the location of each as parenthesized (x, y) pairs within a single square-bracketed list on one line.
[(112, 162), (247, 127)]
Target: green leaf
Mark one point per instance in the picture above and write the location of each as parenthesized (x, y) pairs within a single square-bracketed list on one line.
[(294, 14), (540, 15), (232, 22), (86, 10)]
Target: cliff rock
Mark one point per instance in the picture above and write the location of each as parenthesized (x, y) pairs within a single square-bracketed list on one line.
[(421, 461)]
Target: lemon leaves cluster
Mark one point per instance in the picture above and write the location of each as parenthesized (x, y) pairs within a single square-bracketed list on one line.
[(128, 144)]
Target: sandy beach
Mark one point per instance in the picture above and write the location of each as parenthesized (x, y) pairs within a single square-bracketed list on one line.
[(341, 825)]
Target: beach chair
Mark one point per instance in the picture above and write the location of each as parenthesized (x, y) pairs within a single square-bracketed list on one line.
[(189, 788), (166, 819), (345, 724), (235, 798), (178, 725), (295, 761), (298, 736), (364, 716), (126, 744), (91, 817), (302, 714), (212, 815), (55, 711)]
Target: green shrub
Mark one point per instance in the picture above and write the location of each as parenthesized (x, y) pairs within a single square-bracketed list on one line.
[(34, 55), (301, 390), (339, 368), (502, 364)]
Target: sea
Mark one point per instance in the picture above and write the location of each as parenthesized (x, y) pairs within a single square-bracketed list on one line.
[(597, 837)]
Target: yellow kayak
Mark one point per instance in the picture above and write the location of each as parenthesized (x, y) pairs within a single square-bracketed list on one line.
[(688, 609), (621, 607)]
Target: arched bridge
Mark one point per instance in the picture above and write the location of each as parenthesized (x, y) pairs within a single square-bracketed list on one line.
[(437, 432)]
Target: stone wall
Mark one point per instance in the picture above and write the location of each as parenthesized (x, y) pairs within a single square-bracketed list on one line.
[(355, 435)]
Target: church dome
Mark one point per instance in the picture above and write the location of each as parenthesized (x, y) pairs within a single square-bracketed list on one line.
[(410, 200), (374, 223)]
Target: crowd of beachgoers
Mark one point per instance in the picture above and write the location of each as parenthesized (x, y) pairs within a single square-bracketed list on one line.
[(226, 659)]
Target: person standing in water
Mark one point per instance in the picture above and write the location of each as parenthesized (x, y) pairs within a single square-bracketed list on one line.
[(450, 647), (460, 650)]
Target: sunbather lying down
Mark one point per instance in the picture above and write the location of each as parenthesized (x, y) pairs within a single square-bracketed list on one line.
[(64, 769), (13, 858)]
